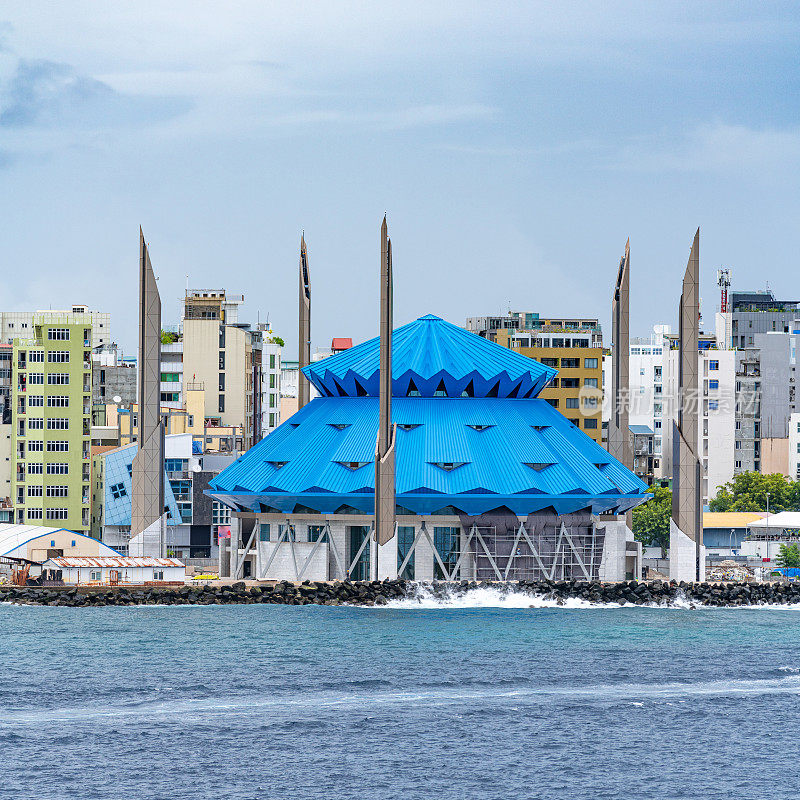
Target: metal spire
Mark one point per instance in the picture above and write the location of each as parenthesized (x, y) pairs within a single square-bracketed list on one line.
[(304, 330), (147, 472), (384, 451), (686, 473), (619, 437)]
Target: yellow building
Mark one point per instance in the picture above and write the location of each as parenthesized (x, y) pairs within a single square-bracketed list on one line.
[(577, 354)]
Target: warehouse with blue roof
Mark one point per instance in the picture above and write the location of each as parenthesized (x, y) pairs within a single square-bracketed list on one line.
[(491, 481)]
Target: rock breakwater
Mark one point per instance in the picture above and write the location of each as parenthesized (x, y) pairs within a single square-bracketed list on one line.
[(379, 593)]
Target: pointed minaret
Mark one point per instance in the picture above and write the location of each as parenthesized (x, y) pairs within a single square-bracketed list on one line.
[(147, 502), (619, 440), (384, 452), (304, 331), (686, 471)]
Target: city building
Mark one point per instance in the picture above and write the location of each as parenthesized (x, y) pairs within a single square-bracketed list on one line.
[(572, 346), (193, 518), (113, 377), (51, 418), (653, 404), (6, 429), (271, 372), (491, 481), (793, 450), (14, 324), (114, 571), (38, 543), (223, 357)]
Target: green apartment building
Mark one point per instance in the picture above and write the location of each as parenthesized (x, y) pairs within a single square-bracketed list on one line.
[(51, 419)]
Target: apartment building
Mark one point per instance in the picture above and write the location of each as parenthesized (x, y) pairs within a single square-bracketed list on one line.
[(653, 404), (51, 417), (14, 324), (574, 347), (270, 384), (763, 332)]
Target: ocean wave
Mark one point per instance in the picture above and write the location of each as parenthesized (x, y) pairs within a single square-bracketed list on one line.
[(424, 597), (181, 711)]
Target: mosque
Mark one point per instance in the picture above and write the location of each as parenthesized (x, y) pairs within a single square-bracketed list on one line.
[(491, 482)]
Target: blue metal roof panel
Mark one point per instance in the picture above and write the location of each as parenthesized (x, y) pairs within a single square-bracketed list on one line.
[(431, 353), (494, 463)]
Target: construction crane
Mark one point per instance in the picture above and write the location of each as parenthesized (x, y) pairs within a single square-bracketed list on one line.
[(724, 282)]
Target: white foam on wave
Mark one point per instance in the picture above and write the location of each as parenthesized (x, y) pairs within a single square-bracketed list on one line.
[(423, 597), (277, 707)]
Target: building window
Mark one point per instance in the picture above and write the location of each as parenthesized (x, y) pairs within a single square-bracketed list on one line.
[(36, 424), (158, 574), (263, 533), (96, 575), (590, 424), (36, 401), (713, 405), (57, 491), (315, 532), (713, 384), (572, 402), (58, 424), (570, 383), (222, 381), (272, 401), (221, 406), (447, 542), (713, 364), (174, 464), (58, 356), (36, 356), (222, 359), (57, 446), (549, 362), (118, 490), (170, 397), (570, 363), (220, 514), (58, 334), (553, 401), (272, 361), (34, 513), (56, 513), (36, 379), (57, 469), (590, 382), (405, 541), (271, 420), (35, 491), (37, 446), (170, 377), (58, 401), (36, 469), (58, 379)]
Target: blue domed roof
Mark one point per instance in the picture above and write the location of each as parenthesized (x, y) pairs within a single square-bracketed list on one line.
[(432, 358)]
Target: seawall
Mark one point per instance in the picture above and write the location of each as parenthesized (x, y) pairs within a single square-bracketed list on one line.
[(373, 593)]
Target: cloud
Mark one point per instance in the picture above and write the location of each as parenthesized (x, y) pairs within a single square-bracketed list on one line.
[(716, 147), (48, 94)]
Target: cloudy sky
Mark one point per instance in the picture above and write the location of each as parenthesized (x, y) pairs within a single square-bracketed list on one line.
[(513, 145)]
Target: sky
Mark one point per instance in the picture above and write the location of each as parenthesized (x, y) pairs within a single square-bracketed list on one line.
[(514, 147)]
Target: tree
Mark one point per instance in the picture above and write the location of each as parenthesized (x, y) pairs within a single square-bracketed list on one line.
[(651, 519), (788, 556), (748, 492), (277, 340)]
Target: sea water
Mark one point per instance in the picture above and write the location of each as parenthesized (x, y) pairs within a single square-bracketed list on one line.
[(481, 696)]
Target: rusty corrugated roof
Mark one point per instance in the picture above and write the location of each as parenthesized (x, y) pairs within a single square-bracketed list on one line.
[(119, 562)]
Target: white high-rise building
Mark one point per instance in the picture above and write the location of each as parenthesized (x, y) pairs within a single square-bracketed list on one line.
[(654, 403)]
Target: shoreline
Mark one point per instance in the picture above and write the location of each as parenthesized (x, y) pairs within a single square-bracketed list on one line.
[(375, 593)]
